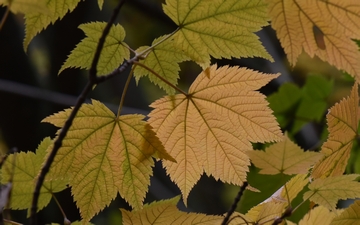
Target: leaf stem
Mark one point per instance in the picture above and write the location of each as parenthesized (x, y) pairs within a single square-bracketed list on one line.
[(161, 78), (126, 86), (159, 42), (7, 12), (58, 204), (234, 205)]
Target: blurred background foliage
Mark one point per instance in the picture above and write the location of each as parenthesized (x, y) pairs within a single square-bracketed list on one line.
[(30, 90)]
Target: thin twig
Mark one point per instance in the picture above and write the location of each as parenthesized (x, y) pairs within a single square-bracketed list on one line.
[(234, 205), (5, 16), (58, 142)]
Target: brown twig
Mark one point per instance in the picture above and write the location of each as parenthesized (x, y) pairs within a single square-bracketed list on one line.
[(234, 205), (93, 79)]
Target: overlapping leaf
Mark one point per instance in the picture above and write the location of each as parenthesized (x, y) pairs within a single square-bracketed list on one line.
[(210, 128), (114, 51), (318, 215), (321, 28), (266, 213), (328, 191), (25, 6), (220, 28), (283, 157), (104, 154), (342, 122), (350, 216), (163, 59), (37, 21), (24, 168), (166, 212)]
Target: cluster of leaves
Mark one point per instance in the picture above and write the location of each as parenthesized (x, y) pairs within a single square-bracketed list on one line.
[(211, 127)]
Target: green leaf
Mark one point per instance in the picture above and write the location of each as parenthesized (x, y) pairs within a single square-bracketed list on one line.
[(164, 59), (112, 55), (24, 167), (37, 21), (104, 154), (218, 28)]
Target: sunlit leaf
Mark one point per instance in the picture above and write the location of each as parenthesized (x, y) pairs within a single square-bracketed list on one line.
[(104, 154), (113, 53), (319, 215), (328, 191), (342, 122), (24, 168), (166, 212), (163, 59), (37, 21), (210, 128), (321, 28), (218, 28), (266, 213), (283, 157)]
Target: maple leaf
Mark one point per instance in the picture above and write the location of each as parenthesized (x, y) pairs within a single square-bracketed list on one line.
[(24, 168), (265, 213), (328, 191), (349, 216), (342, 121), (283, 157), (37, 21), (210, 128), (114, 51), (25, 6), (166, 212), (321, 28), (104, 154), (319, 215), (218, 28), (164, 59)]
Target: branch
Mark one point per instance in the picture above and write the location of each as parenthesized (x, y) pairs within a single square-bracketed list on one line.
[(58, 142), (234, 205)]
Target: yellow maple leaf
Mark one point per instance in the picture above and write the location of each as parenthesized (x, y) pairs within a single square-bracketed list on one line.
[(318, 215), (283, 157), (104, 154), (328, 191), (166, 212), (342, 121), (218, 28), (37, 21), (265, 213), (113, 53), (210, 128), (350, 216), (24, 168), (321, 28), (164, 59)]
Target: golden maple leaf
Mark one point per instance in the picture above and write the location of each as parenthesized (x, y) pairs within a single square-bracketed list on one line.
[(342, 122), (103, 154), (324, 28), (210, 128)]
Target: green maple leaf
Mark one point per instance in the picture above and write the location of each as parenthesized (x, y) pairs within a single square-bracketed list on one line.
[(164, 60), (24, 167), (104, 154), (113, 54), (37, 21), (218, 28)]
